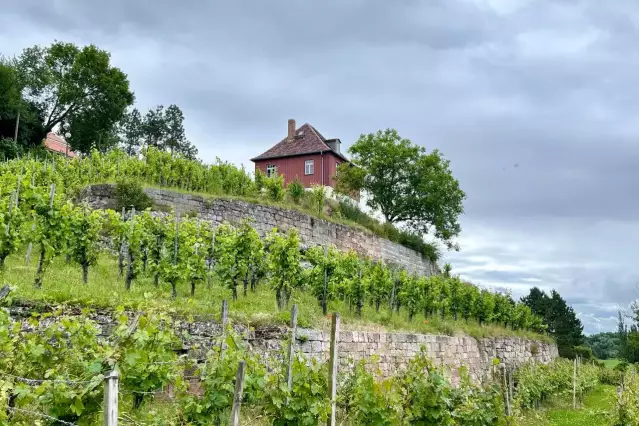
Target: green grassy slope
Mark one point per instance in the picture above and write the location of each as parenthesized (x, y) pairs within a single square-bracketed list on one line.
[(63, 284)]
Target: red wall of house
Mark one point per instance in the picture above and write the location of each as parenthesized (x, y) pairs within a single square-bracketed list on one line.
[(293, 167)]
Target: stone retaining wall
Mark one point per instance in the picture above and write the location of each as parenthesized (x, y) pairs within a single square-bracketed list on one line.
[(392, 351), (313, 231)]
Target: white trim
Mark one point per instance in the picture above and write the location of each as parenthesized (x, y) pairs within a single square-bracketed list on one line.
[(309, 167)]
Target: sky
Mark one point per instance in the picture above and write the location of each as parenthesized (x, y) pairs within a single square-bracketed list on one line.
[(534, 102)]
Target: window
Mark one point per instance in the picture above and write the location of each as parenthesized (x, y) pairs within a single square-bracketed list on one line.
[(336, 168), (309, 166), (271, 170)]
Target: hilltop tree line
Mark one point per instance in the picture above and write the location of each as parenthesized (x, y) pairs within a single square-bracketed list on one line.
[(70, 89)]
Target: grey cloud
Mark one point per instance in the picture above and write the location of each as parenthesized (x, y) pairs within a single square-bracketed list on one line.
[(534, 103)]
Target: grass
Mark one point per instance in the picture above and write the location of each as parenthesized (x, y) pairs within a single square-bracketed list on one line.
[(63, 285), (593, 410), (611, 363)]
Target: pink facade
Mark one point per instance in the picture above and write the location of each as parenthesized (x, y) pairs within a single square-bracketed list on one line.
[(323, 170)]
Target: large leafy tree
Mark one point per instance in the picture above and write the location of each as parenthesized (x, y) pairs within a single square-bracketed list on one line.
[(12, 104), (75, 85), (405, 183), (561, 318)]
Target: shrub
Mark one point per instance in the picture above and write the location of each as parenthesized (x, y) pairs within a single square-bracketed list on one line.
[(318, 197), (275, 187), (609, 376), (584, 352), (129, 193), (296, 191), (534, 349), (350, 211)]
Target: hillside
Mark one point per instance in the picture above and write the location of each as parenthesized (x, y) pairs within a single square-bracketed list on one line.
[(188, 257)]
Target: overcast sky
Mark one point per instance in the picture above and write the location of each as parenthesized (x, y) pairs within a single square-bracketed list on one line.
[(535, 102)]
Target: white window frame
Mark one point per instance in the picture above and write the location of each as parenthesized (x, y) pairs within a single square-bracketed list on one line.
[(309, 167), (271, 170)]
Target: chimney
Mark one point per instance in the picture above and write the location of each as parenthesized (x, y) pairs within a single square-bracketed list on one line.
[(291, 130)]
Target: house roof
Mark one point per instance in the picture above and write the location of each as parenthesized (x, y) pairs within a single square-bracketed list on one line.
[(307, 141), (55, 143)]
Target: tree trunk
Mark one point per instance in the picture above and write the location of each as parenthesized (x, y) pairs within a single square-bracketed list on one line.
[(377, 304), (174, 290), (145, 259), (156, 279), (85, 273), (234, 292), (40, 270), (278, 298)]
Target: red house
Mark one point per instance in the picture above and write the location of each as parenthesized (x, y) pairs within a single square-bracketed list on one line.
[(305, 155), (55, 143)]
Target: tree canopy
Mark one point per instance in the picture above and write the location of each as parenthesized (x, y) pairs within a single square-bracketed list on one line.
[(161, 128), (603, 345), (561, 319), (405, 183), (74, 85)]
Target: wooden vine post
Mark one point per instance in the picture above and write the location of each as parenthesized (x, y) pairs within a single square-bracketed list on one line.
[(111, 399), (325, 293), (332, 369), (224, 321), (237, 398), (121, 252), (574, 384), (506, 393), (291, 350), (129, 264)]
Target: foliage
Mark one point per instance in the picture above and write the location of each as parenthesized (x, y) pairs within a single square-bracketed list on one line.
[(561, 319), (404, 182), (295, 190), (145, 355), (283, 263), (348, 210), (538, 382), (318, 198), (77, 86), (307, 404), (217, 378), (130, 194), (11, 222), (604, 345), (85, 226), (274, 187), (364, 399), (626, 411), (161, 128)]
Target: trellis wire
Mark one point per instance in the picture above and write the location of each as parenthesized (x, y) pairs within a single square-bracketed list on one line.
[(35, 413)]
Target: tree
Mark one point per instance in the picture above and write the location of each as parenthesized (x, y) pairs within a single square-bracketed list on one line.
[(11, 104), (74, 85), (404, 182), (561, 319), (131, 132), (160, 128)]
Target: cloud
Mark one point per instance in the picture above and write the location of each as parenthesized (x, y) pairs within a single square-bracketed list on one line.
[(534, 103)]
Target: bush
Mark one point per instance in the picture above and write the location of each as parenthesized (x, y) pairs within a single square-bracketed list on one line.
[(318, 197), (584, 352), (275, 187), (350, 211), (8, 149), (296, 191), (129, 193)]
